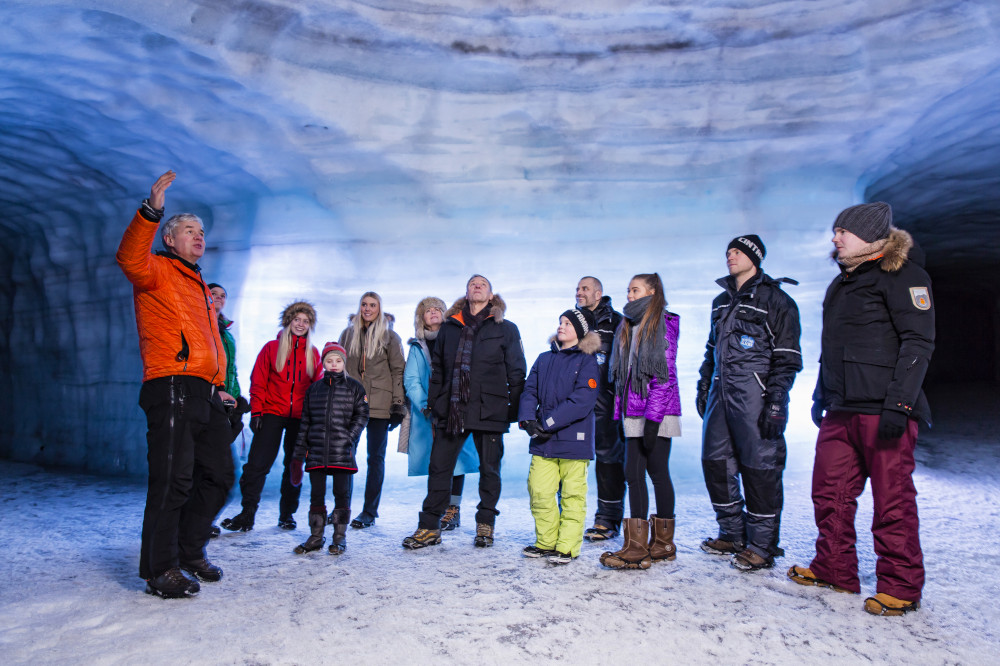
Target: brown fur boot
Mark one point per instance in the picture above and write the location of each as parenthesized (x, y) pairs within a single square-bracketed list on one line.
[(661, 539), (635, 553)]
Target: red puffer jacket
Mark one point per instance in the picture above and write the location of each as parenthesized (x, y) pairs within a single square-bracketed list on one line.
[(279, 391), (178, 334)]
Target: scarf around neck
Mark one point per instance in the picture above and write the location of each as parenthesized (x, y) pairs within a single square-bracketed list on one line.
[(870, 251), (461, 379), (646, 360)]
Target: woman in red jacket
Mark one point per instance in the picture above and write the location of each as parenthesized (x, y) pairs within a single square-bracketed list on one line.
[(285, 368)]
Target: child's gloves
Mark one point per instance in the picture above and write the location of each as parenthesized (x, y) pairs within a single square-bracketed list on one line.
[(296, 469), (536, 432)]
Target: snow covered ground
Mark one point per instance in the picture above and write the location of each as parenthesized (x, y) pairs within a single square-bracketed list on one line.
[(69, 591)]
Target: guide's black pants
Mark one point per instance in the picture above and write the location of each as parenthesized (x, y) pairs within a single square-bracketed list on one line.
[(444, 455)]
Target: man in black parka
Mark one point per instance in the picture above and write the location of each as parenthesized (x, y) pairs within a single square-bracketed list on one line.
[(477, 375), (751, 360), (877, 341)]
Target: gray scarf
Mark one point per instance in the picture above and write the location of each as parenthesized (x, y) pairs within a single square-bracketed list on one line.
[(644, 362)]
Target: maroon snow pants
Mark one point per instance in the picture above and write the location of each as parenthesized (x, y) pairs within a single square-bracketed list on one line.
[(848, 451)]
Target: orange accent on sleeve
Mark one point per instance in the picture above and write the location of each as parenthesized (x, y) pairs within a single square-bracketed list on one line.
[(592, 383)]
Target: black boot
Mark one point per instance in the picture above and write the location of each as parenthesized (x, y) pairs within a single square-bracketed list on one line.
[(338, 544), (317, 522), (241, 522)]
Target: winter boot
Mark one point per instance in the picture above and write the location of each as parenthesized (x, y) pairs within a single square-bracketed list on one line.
[(203, 570), (422, 538), (635, 553), (661, 539), (484, 535), (241, 522), (338, 544), (317, 522), (886, 604), (719, 546), (452, 518), (600, 533), (287, 522), (751, 560), (172, 584)]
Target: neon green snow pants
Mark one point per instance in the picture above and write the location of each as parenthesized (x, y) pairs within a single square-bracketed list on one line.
[(555, 531)]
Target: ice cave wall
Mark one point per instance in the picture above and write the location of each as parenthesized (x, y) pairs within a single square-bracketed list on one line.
[(334, 147)]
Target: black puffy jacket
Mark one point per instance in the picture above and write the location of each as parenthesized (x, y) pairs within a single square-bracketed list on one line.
[(878, 336), (334, 413), (497, 372)]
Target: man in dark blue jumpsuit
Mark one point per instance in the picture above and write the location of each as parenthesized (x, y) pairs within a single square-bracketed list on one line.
[(751, 360)]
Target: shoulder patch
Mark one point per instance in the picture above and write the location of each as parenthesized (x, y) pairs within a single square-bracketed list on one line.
[(366, 397), (592, 383), (921, 298)]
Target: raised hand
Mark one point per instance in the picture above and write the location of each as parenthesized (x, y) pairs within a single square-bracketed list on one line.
[(156, 193)]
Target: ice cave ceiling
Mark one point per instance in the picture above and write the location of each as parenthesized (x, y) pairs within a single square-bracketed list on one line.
[(372, 127)]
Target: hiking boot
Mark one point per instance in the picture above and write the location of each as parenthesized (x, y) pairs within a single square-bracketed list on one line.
[(600, 533), (451, 518), (661, 539), (317, 523), (214, 531), (203, 570), (338, 544), (560, 558), (886, 604), (287, 522), (362, 521), (719, 546), (635, 553), (484, 535), (805, 576), (241, 522), (422, 538), (172, 584), (749, 560), (535, 551)]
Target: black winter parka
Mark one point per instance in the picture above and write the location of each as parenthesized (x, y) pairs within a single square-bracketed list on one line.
[(496, 375), (334, 413), (878, 336)]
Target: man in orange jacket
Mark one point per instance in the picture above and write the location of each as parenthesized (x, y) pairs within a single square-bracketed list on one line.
[(184, 370)]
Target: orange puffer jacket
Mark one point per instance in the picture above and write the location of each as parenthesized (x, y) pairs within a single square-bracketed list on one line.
[(178, 334)]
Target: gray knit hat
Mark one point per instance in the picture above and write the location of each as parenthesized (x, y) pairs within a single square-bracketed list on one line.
[(869, 222)]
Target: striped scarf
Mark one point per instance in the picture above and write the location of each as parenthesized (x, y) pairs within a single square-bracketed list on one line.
[(461, 375)]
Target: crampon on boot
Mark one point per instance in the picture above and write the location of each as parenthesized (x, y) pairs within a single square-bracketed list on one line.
[(241, 522)]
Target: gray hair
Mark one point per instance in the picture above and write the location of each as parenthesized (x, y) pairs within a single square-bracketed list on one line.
[(170, 226)]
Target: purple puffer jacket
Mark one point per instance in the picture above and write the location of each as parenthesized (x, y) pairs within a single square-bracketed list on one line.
[(662, 399)]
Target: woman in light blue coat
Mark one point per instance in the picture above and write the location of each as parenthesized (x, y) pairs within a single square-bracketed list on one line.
[(416, 434)]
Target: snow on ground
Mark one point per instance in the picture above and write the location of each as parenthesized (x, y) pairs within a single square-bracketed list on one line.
[(69, 591)]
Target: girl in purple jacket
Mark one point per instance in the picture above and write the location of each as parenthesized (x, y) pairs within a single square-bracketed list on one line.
[(647, 401)]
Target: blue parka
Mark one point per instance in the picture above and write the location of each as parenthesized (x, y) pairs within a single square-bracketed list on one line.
[(416, 436), (560, 394)]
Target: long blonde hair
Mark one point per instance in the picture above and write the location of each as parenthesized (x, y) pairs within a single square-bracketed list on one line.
[(285, 339), (375, 334)]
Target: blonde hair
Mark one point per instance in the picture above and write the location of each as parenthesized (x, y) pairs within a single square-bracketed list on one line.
[(423, 306), (375, 334), (285, 348)]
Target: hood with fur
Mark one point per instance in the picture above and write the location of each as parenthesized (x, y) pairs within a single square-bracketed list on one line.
[(590, 344), (497, 308), (896, 251), (298, 307)]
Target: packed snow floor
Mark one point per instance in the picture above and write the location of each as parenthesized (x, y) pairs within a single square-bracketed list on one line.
[(70, 593)]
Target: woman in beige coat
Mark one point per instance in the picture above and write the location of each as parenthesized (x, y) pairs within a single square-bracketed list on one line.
[(375, 358)]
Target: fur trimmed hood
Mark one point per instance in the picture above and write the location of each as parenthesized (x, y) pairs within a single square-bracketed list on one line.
[(590, 344), (896, 251), (497, 308), (298, 307)]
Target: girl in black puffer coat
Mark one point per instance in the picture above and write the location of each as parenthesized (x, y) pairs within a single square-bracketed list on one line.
[(334, 413)]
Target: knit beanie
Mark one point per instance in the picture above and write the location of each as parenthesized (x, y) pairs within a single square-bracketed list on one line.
[(869, 222), (334, 348), (750, 245), (298, 307), (582, 319)]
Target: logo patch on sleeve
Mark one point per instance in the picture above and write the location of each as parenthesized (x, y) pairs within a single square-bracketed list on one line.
[(746, 341), (592, 383), (921, 298)]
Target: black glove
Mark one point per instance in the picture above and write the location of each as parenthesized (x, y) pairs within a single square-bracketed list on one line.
[(650, 431), (817, 413), (892, 424), (773, 419), (535, 431), (701, 402), (426, 411), (396, 415), (255, 424)]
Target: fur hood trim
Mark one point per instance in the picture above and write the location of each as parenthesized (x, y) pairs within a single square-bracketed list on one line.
[(298, 307), (497, 308), (896, 251), (590, 344)]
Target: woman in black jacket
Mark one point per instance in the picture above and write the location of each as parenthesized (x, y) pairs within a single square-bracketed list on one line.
[(334, 413)]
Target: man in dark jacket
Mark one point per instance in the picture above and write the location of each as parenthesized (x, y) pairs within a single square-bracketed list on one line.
[(610, 449), (878, 336), (751, 360), (477, 375)]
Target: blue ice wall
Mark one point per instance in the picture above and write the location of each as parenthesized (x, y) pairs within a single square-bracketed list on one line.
[(335, 147)]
